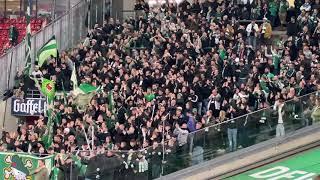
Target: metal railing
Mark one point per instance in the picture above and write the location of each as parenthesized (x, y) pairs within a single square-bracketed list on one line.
[(202, 145), (69, 29), (164, 158)]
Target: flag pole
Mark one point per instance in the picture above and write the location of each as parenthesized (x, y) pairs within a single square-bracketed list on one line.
[(27, 69), (92, 143), (85, 135), (153, 109), (163, 144), (89, 16)]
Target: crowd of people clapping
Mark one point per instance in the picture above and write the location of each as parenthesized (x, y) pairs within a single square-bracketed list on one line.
[(174, 69)]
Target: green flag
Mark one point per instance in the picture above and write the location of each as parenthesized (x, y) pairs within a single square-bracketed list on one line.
[(83, 95), (27, 68), (48, 49), (111, 101), (47, 137), (85, 89), (48, 89), (55, 173), (82, 100), (18, 165), (82, 167)]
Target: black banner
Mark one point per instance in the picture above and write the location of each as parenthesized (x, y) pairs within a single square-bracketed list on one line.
[(28, 107)]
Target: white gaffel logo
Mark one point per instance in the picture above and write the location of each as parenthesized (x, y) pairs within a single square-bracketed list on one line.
[(30, 106)]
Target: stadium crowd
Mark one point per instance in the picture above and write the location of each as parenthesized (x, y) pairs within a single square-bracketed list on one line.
[(185, 67)]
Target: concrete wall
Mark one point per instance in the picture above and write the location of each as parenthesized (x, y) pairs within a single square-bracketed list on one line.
[(74, 2), (122, 8), (7, 121), (128, 4)]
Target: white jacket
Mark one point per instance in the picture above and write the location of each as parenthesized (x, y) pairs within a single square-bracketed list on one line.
[(251, 27)]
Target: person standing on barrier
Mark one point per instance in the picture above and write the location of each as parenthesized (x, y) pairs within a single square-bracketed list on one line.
[(279, 107), (13, 35)]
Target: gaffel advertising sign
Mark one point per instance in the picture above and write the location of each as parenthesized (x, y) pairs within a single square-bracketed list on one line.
[(28, 107)]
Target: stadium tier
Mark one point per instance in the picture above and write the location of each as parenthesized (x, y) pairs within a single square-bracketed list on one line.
[(173, 86), (20, 25)]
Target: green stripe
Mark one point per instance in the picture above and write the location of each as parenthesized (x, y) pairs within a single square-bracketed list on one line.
[(304, 165), (50, 41), (50, 47), (47, 50), (45, 55)]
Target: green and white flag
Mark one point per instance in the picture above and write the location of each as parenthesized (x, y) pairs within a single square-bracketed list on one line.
[(83, 95), (48, 89), (47, 50), (14, 165), (83, 100), (74, 77), (85, 88), (27, 68)]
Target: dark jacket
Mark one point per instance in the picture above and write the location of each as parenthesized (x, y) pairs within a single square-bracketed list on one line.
[(292, 29)]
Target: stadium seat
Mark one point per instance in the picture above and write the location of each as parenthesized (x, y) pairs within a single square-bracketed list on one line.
[(21, 25), (6, 21), (39, 21), (12, 21)]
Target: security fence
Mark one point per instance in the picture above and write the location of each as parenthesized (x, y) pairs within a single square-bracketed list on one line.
[(69, 29)]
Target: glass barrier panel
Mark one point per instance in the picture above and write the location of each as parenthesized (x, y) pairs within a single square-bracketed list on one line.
[(186, 150)]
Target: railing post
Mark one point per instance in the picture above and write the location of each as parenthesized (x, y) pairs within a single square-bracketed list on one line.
[(103, 10), (96, 14), (80, 22), (53, 13), (34, 52), (89, 15), (69, 29), (71, 170)]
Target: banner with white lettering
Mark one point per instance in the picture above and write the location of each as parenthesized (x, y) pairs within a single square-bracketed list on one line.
[(28, 107)]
